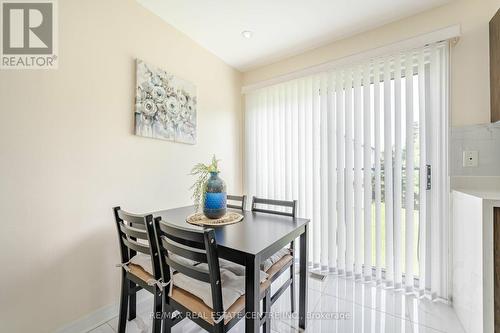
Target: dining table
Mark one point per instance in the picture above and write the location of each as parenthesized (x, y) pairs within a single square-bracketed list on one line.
[(249, 243)]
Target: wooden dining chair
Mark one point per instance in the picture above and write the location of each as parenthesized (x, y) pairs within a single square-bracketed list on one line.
[(200, 246), (140, 266), (285, 258), (236, 201)]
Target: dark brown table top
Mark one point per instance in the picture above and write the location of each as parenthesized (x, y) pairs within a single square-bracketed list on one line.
[(258, 234)]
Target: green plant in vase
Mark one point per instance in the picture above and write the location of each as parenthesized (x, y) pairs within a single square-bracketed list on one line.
[(209, 190)]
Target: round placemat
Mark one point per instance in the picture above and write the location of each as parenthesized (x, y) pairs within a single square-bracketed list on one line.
[(200, 219)]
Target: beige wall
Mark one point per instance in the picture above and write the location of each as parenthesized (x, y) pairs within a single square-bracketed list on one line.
[(470, 58), (68, 155)]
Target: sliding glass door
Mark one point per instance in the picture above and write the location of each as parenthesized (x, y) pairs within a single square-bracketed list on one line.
[(363, 148)]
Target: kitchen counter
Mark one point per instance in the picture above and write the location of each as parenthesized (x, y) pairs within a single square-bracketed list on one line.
[(472, 263)]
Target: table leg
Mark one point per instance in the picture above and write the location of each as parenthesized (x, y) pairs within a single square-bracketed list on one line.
[(303, 278), (266, 326), (252, 289)]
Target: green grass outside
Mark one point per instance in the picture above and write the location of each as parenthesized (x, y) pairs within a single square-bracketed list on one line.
[(402, 237)]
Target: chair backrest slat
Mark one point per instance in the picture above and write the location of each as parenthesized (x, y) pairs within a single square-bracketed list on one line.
[(269, 211), (277, 203), (187, 243), (131, 244), (131, 218), (133, 232), (236, 201), (178, 232), (191, 271), (140, 226), (273, 202), (180, 250)]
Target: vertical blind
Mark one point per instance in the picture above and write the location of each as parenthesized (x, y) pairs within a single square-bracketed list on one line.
[(355, 146)]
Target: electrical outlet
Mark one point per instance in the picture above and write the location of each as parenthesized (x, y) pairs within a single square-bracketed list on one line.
[(470, 158)]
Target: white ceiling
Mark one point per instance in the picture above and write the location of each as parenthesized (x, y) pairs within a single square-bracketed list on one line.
[(281, 28)]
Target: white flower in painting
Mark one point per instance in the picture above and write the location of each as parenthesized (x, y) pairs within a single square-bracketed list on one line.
[(190, 105), (161, 108), (170, 90), (158, 94), (163, 116), (147, 86), (145, 120), (182, 99), (156, 80), (188, 129), (172, 104), (162, 75), (141, 95), (148, 107), (185, 114), (174, 117)]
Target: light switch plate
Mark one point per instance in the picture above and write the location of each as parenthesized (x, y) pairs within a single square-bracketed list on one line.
[(470, 158)]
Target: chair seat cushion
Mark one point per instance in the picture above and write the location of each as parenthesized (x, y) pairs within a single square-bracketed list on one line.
[(143, 260), (197, 306), (277, 266), (233, 286), (275, 258), (238, 269), (232, 280)]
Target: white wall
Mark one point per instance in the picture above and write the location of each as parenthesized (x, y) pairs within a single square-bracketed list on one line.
[(485, 139), (68, 155), (470, 102)]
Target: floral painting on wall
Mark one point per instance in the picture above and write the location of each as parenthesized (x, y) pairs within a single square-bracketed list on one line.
[(165, 105)]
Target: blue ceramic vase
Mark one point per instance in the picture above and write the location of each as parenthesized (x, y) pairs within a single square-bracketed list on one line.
[(215, 197)]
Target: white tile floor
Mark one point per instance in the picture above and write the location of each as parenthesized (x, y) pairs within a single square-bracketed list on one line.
[(365, 308)]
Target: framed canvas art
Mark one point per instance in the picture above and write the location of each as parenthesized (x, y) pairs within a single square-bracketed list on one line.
[(165, 105)]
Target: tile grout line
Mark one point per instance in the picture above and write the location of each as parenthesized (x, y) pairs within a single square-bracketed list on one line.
[(314, 308), (107, 323)]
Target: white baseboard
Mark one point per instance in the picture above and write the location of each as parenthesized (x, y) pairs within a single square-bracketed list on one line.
[(100, 316)]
